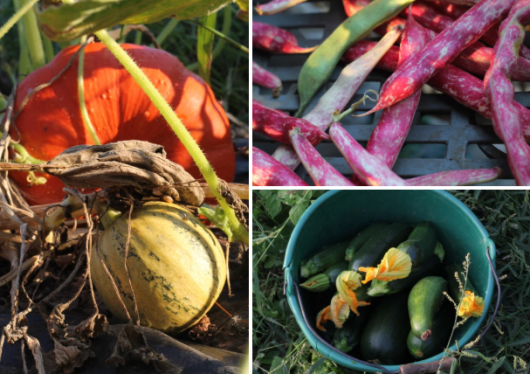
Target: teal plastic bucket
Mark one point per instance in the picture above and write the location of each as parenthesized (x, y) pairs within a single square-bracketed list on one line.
[(339, 215)]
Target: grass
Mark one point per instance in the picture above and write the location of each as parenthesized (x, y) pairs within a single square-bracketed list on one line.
[(280, 346)]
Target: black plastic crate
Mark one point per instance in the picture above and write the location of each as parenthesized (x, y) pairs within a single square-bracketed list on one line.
[(461, 139)]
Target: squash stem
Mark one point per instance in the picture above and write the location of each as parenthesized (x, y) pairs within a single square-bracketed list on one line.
[(24, 64), (33, 38), (182, 133), (16, 17), (81, 94), (48, 48)]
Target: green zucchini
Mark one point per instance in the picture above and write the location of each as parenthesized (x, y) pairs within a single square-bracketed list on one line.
[(373, 251), (317, 283), (380, 288), (384, 338), (349, 336), (441, 331), (362, 238), (334, 270), (425, 300), (454, 287), (326, 257), (420, 244)]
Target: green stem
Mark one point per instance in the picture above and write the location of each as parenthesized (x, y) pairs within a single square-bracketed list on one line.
[(222, 36), (138, 38), (122, 37), (227, 23), (16, 17), (33, 38), (81, 94), (173, 22), (179, 129), (48, 48), (24, 64)]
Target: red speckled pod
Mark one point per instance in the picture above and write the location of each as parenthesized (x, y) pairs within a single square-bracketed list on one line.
[(443, 49), (265, 78), (368, 168), (390, 133), (275, 40), (276, 125), (266, 171), (322, 173), (499, 89), (456, 178)]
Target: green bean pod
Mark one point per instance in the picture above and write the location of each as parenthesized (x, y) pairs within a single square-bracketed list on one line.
[(321, 63)]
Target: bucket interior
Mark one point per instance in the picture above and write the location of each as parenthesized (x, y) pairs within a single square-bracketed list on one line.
[(340, 215)]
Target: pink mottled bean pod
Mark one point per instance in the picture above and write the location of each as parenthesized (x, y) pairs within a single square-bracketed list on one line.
[(275, 40), (499, 89), (266, 171), (368, 168), (443, 49), (390, 133), (276, 125), (265, 78), (475, 59), (276, 6), (322, 173), (338, 96), (349, 81), (457, 178), (461, 86)]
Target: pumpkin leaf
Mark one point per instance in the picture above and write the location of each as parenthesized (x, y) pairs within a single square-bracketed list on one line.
[(63, 22), (205, 46), (219, 219)]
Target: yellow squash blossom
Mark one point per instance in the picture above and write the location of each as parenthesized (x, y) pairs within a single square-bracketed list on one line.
[(340, 311), (347, 282), (395, 265), (471, 306), (323, 316)]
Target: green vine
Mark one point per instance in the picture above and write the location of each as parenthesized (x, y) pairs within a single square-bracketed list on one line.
[(240, 232), (81, 94)]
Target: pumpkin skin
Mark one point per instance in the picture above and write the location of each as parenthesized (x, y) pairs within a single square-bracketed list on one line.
[(176, 265), (119, 110)]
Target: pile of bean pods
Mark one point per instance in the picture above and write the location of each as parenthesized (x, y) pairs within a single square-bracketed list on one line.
[(470, 52)]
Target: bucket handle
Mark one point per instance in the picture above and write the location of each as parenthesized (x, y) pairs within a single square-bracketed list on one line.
[(430, 367)]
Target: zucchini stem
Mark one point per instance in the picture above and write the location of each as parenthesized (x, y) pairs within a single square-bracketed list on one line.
[(182, 133)]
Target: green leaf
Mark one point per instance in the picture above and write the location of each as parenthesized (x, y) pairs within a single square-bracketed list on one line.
[(273, 205), (205, 46), (62, 22), (496, 366)]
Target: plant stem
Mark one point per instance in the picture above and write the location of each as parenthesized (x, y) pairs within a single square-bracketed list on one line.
[(138, 38), (24, 64), (48, 48), (179, 129), (222, 36), (15, 17), (81, 94), (173, 22), (33, 38)]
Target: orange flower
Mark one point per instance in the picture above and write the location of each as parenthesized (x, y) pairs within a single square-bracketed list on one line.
[(395, 265), (340, 311), (346, 283), (471, 306), (323, 316)]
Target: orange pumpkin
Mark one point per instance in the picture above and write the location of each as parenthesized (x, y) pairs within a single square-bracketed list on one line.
[(119, 110)]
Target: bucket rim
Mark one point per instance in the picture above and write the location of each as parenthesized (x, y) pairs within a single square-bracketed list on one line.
[(342, 359)]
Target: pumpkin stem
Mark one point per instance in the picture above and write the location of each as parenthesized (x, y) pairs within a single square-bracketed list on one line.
[(16, 17), (240, 232)]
